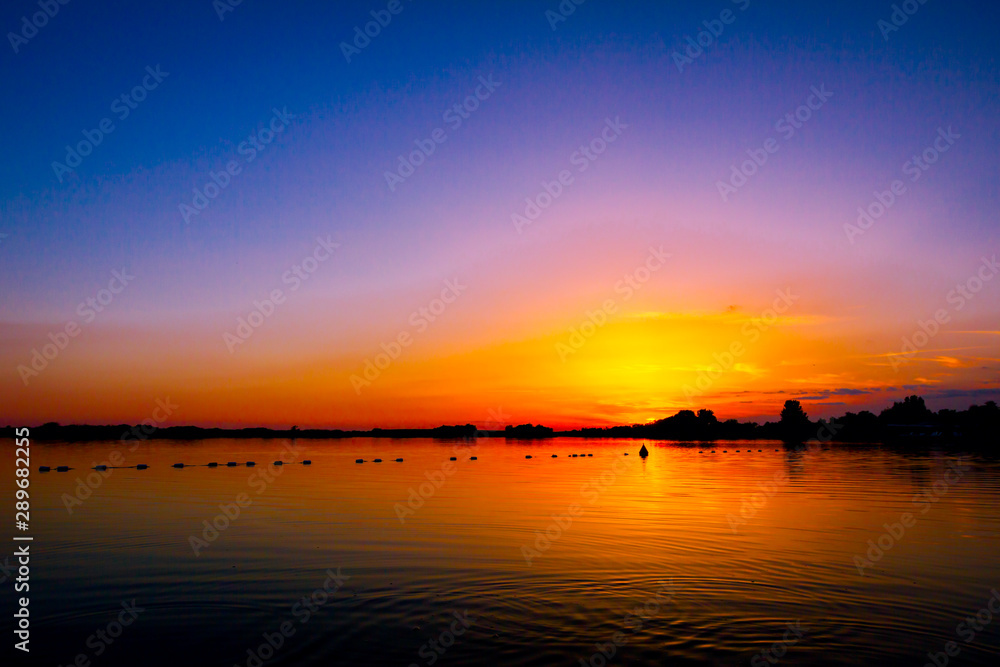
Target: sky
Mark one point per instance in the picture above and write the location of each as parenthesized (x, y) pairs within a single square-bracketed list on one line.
[(495, 212)]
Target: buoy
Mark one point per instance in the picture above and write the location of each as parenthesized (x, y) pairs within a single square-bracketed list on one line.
[(62, 469), (626, 453), (44, 468), (377, 461), (101, 467), (360, 461), (141, 466), (213, 464), (737, 451), (178, 465), (555, 456), (644, 452), (473, 458), (232, 464), (589, 454), (307, 462), (251, 464), (279, 463), (758, 450), (528, 456), (454, 458), (399, 460), (725, 451)]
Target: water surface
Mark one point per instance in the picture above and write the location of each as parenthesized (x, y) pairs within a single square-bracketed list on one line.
[(686, 557)]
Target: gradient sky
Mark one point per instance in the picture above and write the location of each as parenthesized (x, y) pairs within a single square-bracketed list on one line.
[(493, 354)]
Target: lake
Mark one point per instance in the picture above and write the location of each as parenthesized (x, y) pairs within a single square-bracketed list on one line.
[(754, 554)]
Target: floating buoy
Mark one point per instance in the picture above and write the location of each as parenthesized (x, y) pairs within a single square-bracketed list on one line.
[(141, 466), (307, 462), (279, 463), (471, 458), (100, 467), (251, 464), (555, 456), (44, 468), (213, 464), (454, 458), (589, 454), (360, 461), (713, 451), (62, 469), (178, 465), (528, 456), (737, 451), (399, 460), (725, 451), (644, 452), (626, 453), (758, 450), (377, 461), (232, 464)]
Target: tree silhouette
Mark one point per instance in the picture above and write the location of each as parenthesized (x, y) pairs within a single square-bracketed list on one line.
[(707, 416), (795, 424), (911, 411)]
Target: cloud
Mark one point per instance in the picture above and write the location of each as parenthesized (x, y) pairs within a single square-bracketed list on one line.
[(990, 393)]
